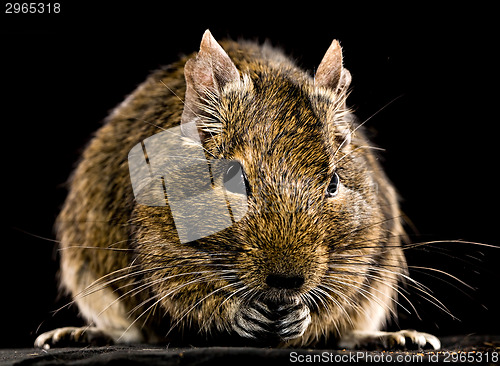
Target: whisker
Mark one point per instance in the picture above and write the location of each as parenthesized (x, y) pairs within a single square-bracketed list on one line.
[(364, 122), (356, 149), (446, 274), (342, 308), (136, 290), (416, 245), (171, 91), (163, 298), (365, 292), (424, 291), (196, 304)]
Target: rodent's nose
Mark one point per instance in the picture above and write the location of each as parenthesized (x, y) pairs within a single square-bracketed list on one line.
[(284, 281)]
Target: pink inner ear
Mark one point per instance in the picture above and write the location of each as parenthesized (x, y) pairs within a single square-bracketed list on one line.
[(202, 77), (330, 68), (215, 66)]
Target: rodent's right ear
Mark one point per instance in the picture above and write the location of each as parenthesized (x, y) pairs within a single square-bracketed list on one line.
[(331, 73), (206, 75)]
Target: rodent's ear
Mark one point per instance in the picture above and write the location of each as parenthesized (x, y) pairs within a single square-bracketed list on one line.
[(331, 74), (206, 75)]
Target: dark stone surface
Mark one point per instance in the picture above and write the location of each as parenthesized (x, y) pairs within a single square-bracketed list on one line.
[(469, 349)]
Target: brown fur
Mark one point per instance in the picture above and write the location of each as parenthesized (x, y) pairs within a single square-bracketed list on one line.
[(291, 133)]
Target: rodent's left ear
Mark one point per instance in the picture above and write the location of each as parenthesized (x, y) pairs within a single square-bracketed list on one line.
[(331, 74)]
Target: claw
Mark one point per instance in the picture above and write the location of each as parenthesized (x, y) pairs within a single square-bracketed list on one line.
[(404, 339), (73, 336)]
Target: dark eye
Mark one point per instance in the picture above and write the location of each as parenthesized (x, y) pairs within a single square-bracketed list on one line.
[(333, 186), (234, 179)]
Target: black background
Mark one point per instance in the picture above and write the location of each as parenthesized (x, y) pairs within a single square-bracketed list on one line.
[(62, 73)]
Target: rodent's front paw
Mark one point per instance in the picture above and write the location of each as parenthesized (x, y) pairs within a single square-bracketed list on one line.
[(73, 336), (268, 321), (404, 339)]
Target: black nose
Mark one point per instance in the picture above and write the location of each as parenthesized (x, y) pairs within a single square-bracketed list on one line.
[(284, 281)]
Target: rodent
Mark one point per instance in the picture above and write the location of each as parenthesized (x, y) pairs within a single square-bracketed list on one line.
[(314, 258)]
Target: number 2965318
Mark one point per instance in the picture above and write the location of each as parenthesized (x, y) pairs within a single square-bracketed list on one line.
[(32, 8)]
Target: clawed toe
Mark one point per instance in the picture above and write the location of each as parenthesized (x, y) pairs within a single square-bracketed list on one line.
[(73, 336), (404, 339)]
